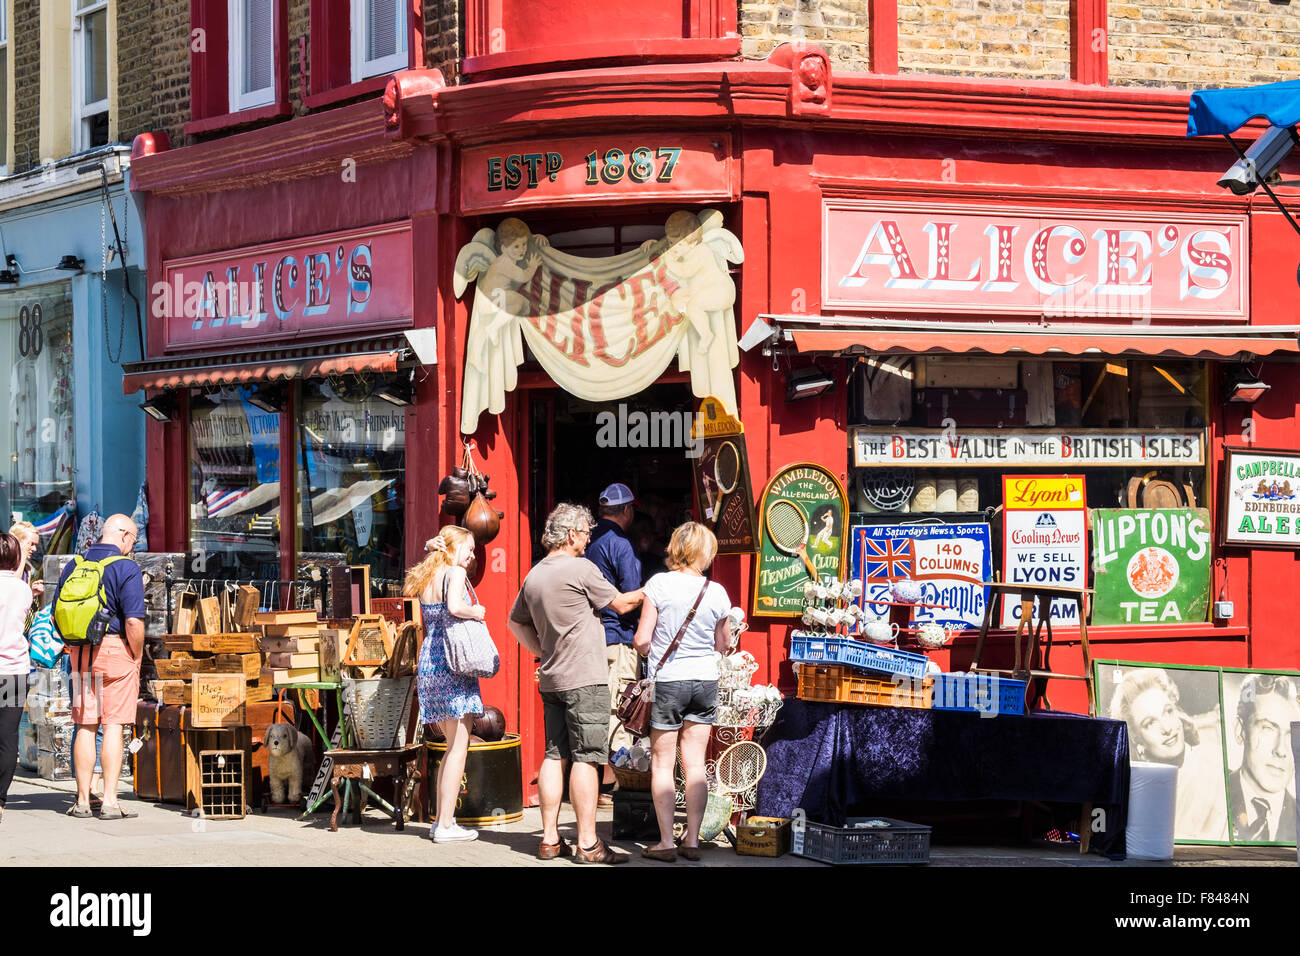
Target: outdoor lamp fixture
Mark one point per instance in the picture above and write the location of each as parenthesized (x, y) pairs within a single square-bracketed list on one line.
[(1242, 386), (398, 393), (71, 264), (269, 398), (807, 383), (1259, 164), (161, 408)]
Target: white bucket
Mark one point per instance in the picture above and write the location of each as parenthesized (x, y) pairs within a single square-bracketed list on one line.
[(1152, 799)]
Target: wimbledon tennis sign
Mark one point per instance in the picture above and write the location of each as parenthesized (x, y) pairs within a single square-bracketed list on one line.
[(802, 515)]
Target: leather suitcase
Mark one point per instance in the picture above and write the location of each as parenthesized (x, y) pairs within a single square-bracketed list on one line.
[(160, 764)]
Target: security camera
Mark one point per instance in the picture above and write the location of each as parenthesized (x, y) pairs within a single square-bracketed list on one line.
[(1262, 161)]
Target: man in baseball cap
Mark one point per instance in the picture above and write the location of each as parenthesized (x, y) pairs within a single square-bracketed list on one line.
[(612, 552)]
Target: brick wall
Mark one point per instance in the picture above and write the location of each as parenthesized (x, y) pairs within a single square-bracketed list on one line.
[(1199, 43), (443, 37), (25, 48), (134, 63), (838, 26), (1022, 38), (170, 83), (299, 26)]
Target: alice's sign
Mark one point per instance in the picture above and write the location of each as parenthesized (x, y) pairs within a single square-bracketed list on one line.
[(602, 328), (951, 562), (802, 512), (331, 283), (937, 258), (1261, 505), (1044, 541), (695, 167), (1150, 566), (998, 447)]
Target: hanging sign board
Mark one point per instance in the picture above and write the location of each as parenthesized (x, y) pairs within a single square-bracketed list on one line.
[(951, 562), (1150, 566), (602, 328), (1261, 503), (218, 700), (640, 167), (1044, 540), (721, 470), (802, 518), (1026, 447)]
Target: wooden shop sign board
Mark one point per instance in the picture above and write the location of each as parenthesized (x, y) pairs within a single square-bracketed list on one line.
[(803, 537), (951, 562), (1044, 540), (1261, 498), (1151, 566), (218, 700), (722, 483), (882, 446)]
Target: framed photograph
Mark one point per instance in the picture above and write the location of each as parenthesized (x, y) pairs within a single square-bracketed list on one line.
[(1259, 708), (1261, 498), (1173, 714)]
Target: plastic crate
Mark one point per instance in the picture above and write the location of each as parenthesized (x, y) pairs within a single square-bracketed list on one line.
[(828, 649), (886, 841), (980, 693), (836, 683)]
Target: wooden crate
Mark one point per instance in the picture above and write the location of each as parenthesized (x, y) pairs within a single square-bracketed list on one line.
[(209, 619), (763, 836), (246, 600), (246, 643), (171, 692), (187, 612), (250, 665), (197, 741), (182, 666), (221, 784)]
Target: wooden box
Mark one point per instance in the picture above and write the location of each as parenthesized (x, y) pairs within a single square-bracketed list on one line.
[(187, 612), (359, 587), (171, 692), (248, 643), (246, 601), (763, 836), (250, 665), (183, 666), (218, 700), (371, 642), (197, 741), (209, 618), (221, 784)]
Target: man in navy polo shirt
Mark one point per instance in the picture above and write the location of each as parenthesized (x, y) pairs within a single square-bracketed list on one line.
[(612, 552), (106, 679)]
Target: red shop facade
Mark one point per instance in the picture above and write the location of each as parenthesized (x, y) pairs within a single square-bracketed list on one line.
[(1066, 257)]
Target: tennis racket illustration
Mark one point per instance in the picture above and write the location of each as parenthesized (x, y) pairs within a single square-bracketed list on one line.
[(787, 527), (726, 475)]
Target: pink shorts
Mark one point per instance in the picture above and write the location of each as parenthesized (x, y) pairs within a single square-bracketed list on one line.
[(105, 683)]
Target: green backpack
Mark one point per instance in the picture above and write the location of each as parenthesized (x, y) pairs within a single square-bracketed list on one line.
[(81, 598)]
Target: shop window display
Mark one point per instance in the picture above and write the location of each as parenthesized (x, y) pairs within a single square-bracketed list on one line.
[(351, 460), (235, 485), (38, 446), (932, 438)]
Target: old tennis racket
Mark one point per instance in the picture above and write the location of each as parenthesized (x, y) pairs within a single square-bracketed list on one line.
[(787, 527), (726, 475)]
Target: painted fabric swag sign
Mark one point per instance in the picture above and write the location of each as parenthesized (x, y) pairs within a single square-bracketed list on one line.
[(602, 328)]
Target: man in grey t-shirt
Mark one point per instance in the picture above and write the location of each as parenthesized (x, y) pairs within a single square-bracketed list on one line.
[(556, 617)]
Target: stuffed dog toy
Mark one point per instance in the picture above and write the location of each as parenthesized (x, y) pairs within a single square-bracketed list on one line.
[(290, 755)]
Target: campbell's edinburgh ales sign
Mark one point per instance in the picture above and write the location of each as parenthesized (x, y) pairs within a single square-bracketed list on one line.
[(1261, 505), (918, 257)]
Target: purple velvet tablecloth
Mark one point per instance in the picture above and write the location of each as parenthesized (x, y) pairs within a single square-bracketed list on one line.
[(830, 759)]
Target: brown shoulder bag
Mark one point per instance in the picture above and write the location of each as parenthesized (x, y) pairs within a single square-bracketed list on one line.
[(634, 705)]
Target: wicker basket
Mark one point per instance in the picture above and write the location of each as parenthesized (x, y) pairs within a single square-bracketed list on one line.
[(629, 779), (380, 707)]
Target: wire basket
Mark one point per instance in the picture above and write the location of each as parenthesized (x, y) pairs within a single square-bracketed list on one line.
[(380, 707)]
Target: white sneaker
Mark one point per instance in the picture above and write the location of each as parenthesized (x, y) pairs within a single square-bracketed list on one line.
[(454, 834)]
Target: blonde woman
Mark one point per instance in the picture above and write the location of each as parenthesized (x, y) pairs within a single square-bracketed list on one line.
[(686, 682), (447, 699)]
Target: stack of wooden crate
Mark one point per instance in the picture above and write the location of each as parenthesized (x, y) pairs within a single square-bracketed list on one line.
[(190, 654), (298, 649)]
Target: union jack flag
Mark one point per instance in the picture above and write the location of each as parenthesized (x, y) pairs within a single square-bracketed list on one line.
[(888, 560)]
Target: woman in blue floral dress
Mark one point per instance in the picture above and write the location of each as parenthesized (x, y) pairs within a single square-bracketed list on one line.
[(447, 699)]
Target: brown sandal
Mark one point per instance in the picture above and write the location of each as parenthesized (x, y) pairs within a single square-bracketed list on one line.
[(691, 853), (663, 856), (599, 853)]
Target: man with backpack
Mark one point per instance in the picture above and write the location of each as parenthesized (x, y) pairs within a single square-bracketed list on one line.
[(99, 611)]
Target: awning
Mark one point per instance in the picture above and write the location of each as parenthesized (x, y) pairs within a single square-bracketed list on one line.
[(823, 334), (265, 365), (1225, 111)]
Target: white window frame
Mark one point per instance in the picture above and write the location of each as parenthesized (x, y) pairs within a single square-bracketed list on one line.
[(82, 112), (363, 69), (238, 99)]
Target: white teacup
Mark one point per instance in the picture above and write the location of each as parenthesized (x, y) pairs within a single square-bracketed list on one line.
[(931, 635), (881, 631)]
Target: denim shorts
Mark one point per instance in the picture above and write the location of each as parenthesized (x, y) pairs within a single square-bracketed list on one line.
[(679, 700)]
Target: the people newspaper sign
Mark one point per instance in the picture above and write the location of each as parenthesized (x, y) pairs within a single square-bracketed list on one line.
[(1044, 540), (951, 562), (602, 328)]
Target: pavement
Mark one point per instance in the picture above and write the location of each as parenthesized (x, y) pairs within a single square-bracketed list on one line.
[(35, 832)]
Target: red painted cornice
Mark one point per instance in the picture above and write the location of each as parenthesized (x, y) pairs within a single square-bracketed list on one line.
[(300, 148)]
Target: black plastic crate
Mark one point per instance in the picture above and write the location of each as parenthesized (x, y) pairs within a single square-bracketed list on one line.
[(634, 816), (863, 840)]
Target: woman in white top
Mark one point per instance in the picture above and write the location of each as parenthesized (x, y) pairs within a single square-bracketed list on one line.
[(15, 600), (686, 683)]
